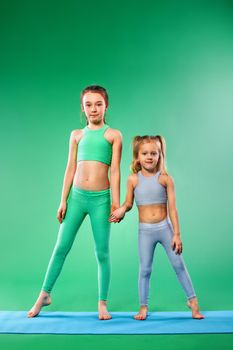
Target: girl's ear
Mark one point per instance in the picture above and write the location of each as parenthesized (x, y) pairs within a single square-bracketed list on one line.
[(82, 109)]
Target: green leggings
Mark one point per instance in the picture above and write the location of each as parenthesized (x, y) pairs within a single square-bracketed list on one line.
[(80, 203)]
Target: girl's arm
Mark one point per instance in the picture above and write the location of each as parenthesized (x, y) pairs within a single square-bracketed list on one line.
[(69, 175), (173, 214), (128, 203), (115, 170), (71, 167)]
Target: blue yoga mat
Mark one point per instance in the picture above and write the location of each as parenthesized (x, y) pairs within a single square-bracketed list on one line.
[(121, 323)]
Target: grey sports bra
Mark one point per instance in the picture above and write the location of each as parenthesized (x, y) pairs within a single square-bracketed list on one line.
[(149, 190)]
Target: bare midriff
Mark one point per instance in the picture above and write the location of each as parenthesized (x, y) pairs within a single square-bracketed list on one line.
[(152, 213), (91, 175)]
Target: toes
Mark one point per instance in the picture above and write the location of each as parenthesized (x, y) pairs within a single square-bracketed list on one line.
[(199, 317), (139, 317), (31, 314), (105, 317)]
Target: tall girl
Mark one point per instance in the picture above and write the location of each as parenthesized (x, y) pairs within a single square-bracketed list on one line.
[(154, 193), (86, 191)]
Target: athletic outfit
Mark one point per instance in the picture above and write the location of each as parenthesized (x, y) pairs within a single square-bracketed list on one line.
[(92, 146), (150, 191)]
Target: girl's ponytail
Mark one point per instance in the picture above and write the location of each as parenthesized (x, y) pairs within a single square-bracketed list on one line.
[(135, 167), (162, 161)]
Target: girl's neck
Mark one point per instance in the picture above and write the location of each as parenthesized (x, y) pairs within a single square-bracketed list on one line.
[(148, 173), (95, 126)]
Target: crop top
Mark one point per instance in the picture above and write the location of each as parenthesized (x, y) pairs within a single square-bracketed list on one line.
[(149, 190), (94, 146)]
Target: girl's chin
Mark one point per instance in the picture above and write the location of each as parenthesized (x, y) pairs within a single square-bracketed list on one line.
[(95, 120), (149, 167)]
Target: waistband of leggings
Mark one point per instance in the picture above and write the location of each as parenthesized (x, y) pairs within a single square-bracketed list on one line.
[(156, 225), (84, 192)]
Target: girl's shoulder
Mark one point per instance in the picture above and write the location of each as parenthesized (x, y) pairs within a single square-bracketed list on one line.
[(113, 136), (165, 179), (133, 179), (76, 135), (113, 132)]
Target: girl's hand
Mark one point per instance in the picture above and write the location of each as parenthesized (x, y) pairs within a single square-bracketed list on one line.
[(61, 212), (114, 207), (177, 244), (117, 215)]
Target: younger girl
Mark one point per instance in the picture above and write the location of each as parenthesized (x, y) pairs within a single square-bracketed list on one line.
[(154, 194)]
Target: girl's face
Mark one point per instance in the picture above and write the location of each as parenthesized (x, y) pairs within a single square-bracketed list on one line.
[(94, 106), (148, 155)]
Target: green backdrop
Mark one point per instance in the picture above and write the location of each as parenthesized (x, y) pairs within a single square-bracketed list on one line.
[(167, 66)]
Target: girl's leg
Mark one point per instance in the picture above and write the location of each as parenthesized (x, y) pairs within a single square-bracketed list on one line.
[(146, 246), (176, 261), (99, 211), (68, 229), (178, 265), (66, 235)]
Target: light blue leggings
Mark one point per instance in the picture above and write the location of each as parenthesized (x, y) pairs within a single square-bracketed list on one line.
[(149, 236)]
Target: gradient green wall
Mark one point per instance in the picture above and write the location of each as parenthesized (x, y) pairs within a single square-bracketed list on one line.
[(167, 66)]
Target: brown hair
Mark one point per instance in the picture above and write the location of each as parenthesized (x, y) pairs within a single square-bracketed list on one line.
[(160, 141), (97, 89)]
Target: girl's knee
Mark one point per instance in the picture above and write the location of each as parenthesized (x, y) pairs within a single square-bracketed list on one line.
[(62, 249), (178, 264), (145, 272), (102, 255)]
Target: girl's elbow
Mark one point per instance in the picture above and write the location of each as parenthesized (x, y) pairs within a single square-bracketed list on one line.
[(129, 206), (115, 173), (173, 211), (71, 169)]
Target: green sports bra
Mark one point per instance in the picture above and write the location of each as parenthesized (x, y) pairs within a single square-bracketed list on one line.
[(94, 146)]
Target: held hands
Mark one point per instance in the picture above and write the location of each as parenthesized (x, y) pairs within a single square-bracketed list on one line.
[(177, 244), (117, 215), (61, 212)]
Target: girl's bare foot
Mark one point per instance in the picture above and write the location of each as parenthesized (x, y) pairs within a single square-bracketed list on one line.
[(193, 305), (103, 312), (142, 314), (44, 299)]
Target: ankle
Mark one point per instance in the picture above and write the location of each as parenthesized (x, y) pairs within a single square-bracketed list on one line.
[(193, 300), (144, 307)]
